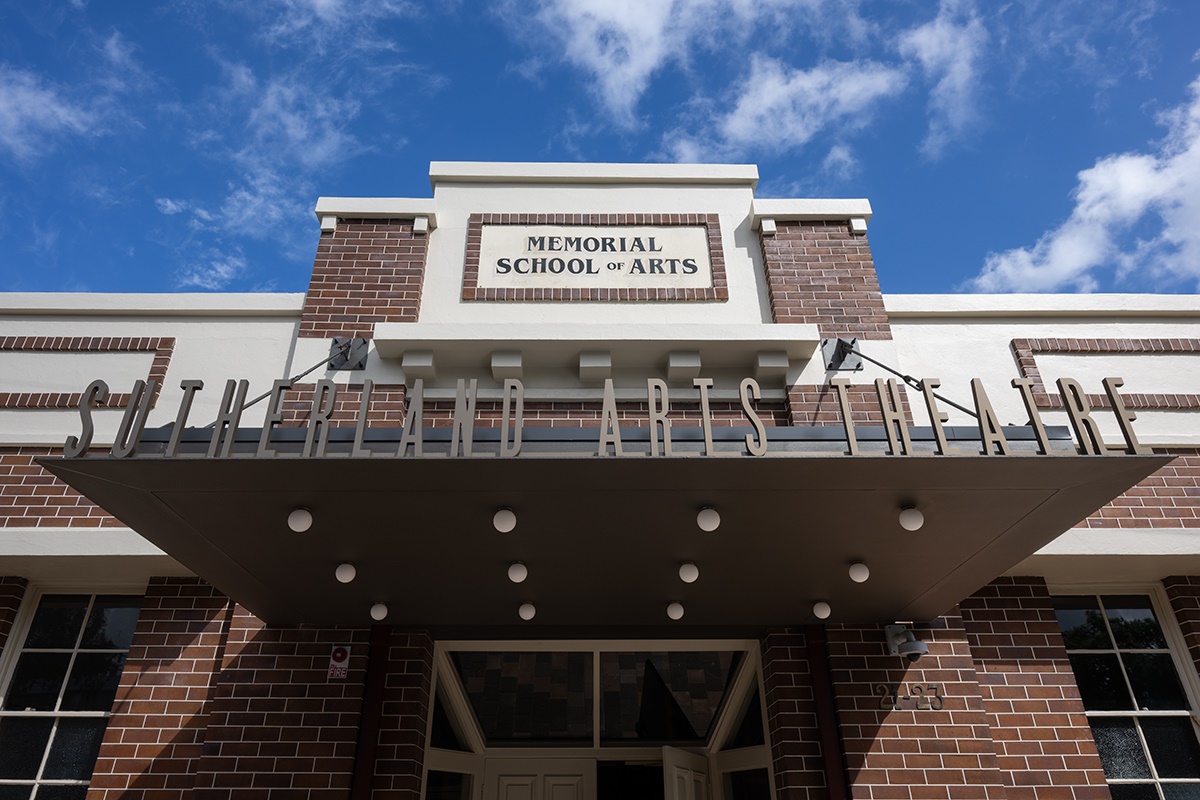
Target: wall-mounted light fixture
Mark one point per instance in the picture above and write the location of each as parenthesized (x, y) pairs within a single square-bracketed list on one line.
[(708, 520), (675, 611), (859, 572), (345, 572), (902, 642), (688, 572), (911, 518), (504, 520), (300, 519), (379, 612), (517, 572), (527, 611), (821, 610)]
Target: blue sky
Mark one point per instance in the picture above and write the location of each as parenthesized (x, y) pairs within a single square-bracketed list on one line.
[(1032, 145)]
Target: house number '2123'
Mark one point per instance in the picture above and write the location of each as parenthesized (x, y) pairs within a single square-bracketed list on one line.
[(927, 696)]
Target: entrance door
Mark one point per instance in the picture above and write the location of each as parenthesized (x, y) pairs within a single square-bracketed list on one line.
[(539, 779), (685, 775)]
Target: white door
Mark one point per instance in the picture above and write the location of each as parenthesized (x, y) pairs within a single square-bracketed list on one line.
[(685, 775), (539, 779)]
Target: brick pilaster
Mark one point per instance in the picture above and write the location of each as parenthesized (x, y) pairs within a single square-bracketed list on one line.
[(911, 753), (156, 734), (12, 590), (1184, 594), (1044, 746), (406, 708), (366, 271), (792, 717)]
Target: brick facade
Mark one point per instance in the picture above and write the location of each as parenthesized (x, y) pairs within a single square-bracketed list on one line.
[(406, 704), (818, 273), (162, 347), (790, 709), (1043, 743), (30, 497), (1184, 595), (910, 753), (12, 590), (156, 734), (1170, 498), (366, 271), (818, 405)]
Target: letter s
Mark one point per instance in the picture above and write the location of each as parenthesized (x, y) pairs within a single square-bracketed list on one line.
[(96, 392), (503, 266), (689, 266)]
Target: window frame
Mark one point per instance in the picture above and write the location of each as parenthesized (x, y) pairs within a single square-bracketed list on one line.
[(1185, 668), (14, 646)]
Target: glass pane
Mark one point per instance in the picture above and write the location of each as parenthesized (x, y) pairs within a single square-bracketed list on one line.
[(36, 681), (1133, 623), (1172, 743), (750, 730), (57, 620), (1133, 791), (73, 753), (447, 786), (1120, 749), (1081, 623), (748, 784), (525, 698), (22, 744), (11, 792), (1155, 682), (1180, 791), (93, 682), (1101, 684), (662, 697), (62, 792), (110, 626), (443, 735)]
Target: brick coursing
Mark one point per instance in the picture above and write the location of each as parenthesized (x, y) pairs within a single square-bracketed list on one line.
[(30, 497), (12, 590), (155, 736), (278, 725), (366, 271), (818, 273), (1044, 746), (909, 754), (818, 405), (1184, 595), (406, 706), (1170, 498), (791, 717), (162, 347)]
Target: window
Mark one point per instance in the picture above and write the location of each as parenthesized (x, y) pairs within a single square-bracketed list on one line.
[(1138, 707), (59, 691)]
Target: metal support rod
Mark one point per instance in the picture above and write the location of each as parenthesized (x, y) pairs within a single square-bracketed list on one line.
[(909, 379), (344, 347)]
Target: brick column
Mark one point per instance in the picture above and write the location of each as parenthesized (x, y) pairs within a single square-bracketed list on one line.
[(12, 590), (792, 717), (365, 271), (406, 708), (278, 723), (1044, 746), (1184, 594), (155, 736), (911, 754)]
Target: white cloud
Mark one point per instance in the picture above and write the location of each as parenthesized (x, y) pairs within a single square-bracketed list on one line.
[(215, 272), (778, 108), (949, 49), (840, 163), (34, 115), (621, 44), (326, 24), (1135, 213), (170, 207)]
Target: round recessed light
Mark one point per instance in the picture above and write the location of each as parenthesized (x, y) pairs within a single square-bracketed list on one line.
[(379, 612), (517, 572), (859, 572), (345, 572), (300, 520), (688, 572), (527, 611), (708, 519), (821, 610), (911, 518), (504, 520), (675, 611)]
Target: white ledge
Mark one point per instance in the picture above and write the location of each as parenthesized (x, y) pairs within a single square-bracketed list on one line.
[(377, 208), (1041, 305), (575, 173), (176, 304), (811, 209)]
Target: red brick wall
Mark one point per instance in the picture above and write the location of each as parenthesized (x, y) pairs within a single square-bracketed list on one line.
[(820, 274), (909, 754), (792, 717), (12, 589), (1170, 498), (156, 734), (1184, 594), (818, 405), (406, 705), (30, 497), (1043, 743), (278, 724), (366, 271)]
